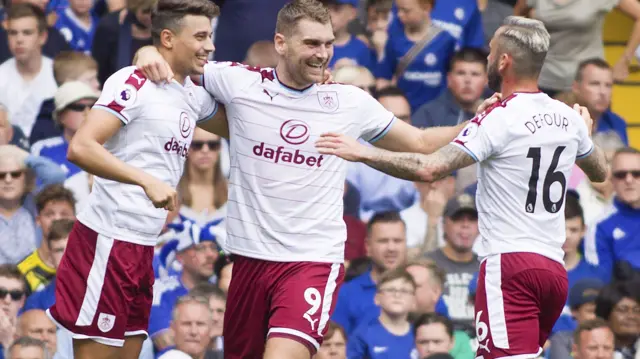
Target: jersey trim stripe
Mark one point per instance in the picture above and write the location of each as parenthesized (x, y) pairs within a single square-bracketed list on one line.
[(461, 146), (210, 116), (586, 153), (113, 112), (384, 131)]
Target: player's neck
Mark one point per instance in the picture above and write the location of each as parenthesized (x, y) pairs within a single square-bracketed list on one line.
[(571, 260), (30, 68), (455, 256), (511, 86), (397, 325), (342, 37), (286, 79), (178, 74)]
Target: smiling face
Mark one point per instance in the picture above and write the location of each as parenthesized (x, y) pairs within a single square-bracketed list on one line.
[(192, 44)]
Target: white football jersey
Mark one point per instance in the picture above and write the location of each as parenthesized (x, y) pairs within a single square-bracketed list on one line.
[(159, 121), (285, 198), (526, 147)]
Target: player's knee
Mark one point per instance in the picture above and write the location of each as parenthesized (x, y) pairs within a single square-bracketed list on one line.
[(286, 348)]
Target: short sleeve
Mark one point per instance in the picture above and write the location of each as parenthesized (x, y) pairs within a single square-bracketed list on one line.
[(483, 136), (585, 144), (121, 92), (225, 80), (208, 105), (375, 120)]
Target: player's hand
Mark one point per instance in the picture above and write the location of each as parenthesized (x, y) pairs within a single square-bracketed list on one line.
[(342, 146), (327, 76), (153, 65), (434, 203), (586, 116), (489, 102), (7, 329), (161, 194)]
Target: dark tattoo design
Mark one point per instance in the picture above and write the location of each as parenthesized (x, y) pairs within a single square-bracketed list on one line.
[(419, 167)]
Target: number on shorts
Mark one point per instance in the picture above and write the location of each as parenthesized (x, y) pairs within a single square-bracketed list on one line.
[(550, 178), (314, 299), (482, 330)]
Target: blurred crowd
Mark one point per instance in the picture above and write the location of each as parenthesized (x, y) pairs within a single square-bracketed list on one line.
[(411, 267)]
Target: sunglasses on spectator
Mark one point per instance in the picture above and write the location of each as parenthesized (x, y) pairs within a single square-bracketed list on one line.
[(198, 145), (12, 174), (15, 294), (79, 107), (623, 174)]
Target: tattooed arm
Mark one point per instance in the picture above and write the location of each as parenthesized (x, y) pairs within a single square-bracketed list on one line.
[(595, 165), (410, 166)]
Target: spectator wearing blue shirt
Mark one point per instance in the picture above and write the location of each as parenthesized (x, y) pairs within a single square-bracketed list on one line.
[(77, 24), (593, 86), (347, 49), (390, 335), (195, 248), (73, 101), (576, 266), (416, 59), (616, 235)]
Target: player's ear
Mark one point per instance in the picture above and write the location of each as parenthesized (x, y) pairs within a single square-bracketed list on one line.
[(166, 38), (280, 42)]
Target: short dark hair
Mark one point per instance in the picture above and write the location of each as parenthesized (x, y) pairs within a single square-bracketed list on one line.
[(169, 14), (54, 192), (389, 91), (469, 54), (588, 326), (208, 290), (432, 318), (26, 342), (296, 10), (18, 11), (612, 294), (332, 328), (384, 217), (11, 271), (380, 5), (573, 209), (393, 274), (626, 150), (595, 61), (60, 229)]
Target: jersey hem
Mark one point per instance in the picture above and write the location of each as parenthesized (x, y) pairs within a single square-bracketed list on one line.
[(117, 236), (287, 258)]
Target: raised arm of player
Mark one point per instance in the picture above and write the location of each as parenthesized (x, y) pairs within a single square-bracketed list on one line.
[(87, 152), (403, 137)]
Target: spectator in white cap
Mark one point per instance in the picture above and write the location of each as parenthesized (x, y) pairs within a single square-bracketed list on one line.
[(73, 100), (195, 249)]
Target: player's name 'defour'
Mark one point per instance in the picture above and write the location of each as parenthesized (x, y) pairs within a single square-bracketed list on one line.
[(546, 120)]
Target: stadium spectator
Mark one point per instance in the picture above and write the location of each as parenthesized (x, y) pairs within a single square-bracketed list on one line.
[(380, 192), (493, 14), (53, 203), (576, 34), (357, 76), (202, 189), (27, 347), (35, 324), (217, 301), (222, 270), (73, 100), (12, 294), (373, 30), (614, 237), (67, 66), (433, 334), (191, 324), (416, 58), (77, 23), (57, 243), (26, 79), (462, 19), (11, 134), (457, 259), (391, 332), (387, 247), (348, 49), (596, 197), (593, 340), (196, 251), (619, 304), (334, 345), (262, 54), (593, 87), (581, 307), (121, 34), (424, 217), (18, 171), (429, 280)]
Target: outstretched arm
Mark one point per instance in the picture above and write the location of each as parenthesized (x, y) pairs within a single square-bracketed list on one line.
[(594, 165), (410, 166)]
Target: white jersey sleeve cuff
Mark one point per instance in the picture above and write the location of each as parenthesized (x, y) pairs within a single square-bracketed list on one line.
[(579, 156), (384, 131), (209, 116), (120, 116), (465, 149)]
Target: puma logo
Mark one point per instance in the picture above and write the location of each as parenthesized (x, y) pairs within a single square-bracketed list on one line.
[(311, 321), (268, 94)]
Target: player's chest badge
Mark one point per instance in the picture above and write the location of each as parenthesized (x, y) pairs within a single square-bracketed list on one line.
[(328, 100)]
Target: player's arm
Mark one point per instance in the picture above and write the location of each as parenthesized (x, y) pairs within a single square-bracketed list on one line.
[(409, 166), (403, 137), (217, 124), (87, 152), (594, 165)]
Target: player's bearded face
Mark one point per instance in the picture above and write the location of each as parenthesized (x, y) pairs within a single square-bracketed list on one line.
[(309, 51), (495, 79)]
